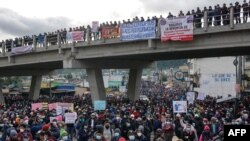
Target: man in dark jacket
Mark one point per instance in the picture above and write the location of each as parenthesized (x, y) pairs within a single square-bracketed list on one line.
[(217, 15), (225, 14), (237, 9), (199, 17), (210, 15), (198, 125), (84, 133), (245, 11)]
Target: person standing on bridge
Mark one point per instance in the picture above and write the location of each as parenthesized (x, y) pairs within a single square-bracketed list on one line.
[(210, 15), (225, 14), (217, 15), (199, 16), (245, 7), (237, 9)]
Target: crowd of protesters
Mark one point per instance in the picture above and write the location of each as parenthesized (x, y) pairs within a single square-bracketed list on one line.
[(124, 120), (217, 16)]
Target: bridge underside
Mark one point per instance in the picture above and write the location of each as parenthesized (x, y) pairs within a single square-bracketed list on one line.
[(125, 61)]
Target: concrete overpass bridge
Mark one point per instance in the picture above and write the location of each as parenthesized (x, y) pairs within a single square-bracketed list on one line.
[(94, 56)]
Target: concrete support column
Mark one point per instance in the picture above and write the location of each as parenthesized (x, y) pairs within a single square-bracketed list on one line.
[(22, 42), (2, 100), (239, 74), (34, 42), (59, 43), (96, 84), (3, 48), (231, 17), (205, 20), (134, 83), (35, 87), (45, 42)]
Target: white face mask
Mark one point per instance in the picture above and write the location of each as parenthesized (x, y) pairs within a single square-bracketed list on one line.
[(188, 129), (139, 134), (245, 116), (21, 130), (131, 137)]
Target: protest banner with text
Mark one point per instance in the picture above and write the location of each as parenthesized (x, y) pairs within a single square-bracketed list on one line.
[(177, 29)]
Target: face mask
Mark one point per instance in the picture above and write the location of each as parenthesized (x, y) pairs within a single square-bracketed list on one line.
[(128, 124), (82, 120), (21, 130), (117, 134), (98, 137), (131, 137), (188, 129), (245, 116), (85, 127), (139, 134)]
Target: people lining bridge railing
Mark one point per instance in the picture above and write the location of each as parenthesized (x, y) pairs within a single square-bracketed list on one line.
[(219, 16)]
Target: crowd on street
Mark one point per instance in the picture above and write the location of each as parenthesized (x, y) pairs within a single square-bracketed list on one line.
[(124, 120)]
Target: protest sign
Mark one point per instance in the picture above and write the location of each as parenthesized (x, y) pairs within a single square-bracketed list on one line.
[(201, 96), (99, 105), (70, 118), (39, 106), (36, 106), (180, 106), (190, 97), (95, 26)]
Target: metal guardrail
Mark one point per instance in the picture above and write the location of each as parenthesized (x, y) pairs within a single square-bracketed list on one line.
[(59, 38)]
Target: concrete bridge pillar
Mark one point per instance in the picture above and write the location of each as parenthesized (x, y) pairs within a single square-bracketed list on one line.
[(35, 87), (2, 100), (96, 84), (134, 83)]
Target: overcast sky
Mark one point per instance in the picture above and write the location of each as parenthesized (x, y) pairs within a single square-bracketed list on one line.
[(27, 17)]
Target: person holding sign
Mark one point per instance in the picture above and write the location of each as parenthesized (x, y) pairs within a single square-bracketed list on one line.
[(70, 118)]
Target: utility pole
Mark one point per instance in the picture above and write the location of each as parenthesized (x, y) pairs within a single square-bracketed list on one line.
[(239, 75)]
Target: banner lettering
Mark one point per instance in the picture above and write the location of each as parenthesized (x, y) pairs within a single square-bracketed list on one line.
[(74, 36), (177, 29), (138, 30), (110, 31)]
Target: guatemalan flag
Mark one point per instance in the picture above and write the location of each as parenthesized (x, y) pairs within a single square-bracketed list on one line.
[(74, 36)]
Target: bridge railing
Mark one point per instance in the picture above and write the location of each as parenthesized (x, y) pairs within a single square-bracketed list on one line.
[(57, 39)]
